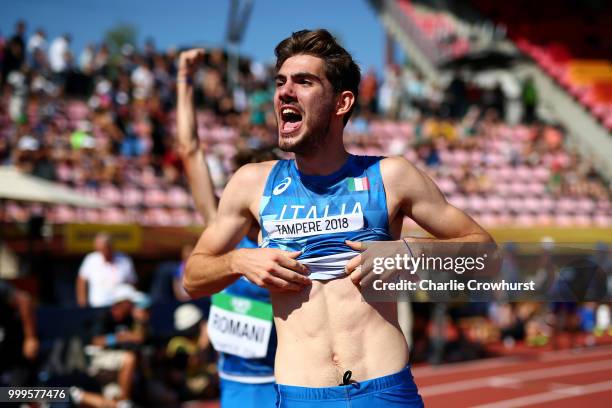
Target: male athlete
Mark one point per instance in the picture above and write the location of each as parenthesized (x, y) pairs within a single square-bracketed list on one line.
[(334, 349)]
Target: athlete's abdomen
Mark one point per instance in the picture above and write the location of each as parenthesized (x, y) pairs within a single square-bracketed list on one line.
[(329, 328)]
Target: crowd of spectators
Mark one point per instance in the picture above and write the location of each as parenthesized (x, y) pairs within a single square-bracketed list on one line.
[(103, 123)]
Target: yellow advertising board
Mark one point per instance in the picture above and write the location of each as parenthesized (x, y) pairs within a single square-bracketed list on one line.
[(79, 238)]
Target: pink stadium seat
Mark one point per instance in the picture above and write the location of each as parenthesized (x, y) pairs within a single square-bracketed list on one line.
[(544, 220), (506, 173), (181, 216), (445, 156), (546, 204), (447, 185), (503, 189), (132, 197), (516, 205), (63, 214), (460, 157), (157, 217), (562, 220), (581, 220), (91, 215), (410, 155), (525, 220), (110, 193), (458, 201), (603, 206), (532, 205), (475, 204), (585, 205), (154, 197), (64, 172), (495, 203), (177, 197), (488, 219), (535, 189), (602, 220), (518, 189), (476, 157), (565, 206), (113, 215)]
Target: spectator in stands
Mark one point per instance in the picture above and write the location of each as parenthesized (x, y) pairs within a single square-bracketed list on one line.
[(102, 272), (367, 93), (60, 57), (18, 79), (529, 98), (19, 343), (456, 97), (37, 43), (14, 54), (86, 59), (142, 79)]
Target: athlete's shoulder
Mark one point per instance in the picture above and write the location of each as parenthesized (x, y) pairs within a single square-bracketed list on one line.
[(397, 166), (254, 172)]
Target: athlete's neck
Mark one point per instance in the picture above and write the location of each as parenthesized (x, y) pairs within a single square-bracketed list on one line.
[(322, 162)]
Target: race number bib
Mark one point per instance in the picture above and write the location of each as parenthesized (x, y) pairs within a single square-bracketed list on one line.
[(240, 326), (305, 227)]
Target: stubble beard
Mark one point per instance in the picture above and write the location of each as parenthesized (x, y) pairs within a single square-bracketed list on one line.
[(310, 142)]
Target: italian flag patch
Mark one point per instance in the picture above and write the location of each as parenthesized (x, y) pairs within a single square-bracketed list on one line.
[(358, 184)]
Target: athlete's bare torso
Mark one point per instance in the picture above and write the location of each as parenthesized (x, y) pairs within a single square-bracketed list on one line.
[(327, 328)]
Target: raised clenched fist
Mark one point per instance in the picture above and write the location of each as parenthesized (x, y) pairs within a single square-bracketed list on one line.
[(189, 61)]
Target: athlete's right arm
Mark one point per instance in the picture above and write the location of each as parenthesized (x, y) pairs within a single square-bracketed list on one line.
[(192, 156), (214, 264)]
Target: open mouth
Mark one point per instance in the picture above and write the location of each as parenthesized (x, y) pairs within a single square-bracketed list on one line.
[(291, 119)]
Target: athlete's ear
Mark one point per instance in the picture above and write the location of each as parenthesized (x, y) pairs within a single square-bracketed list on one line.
[(346, 100)]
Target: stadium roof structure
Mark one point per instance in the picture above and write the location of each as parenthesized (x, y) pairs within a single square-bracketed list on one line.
[(18, 186)]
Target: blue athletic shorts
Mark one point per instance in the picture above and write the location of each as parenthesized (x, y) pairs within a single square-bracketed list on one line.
[(240, 395), (391, 391)]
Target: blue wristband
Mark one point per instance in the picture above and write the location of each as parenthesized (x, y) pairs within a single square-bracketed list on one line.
[(111, 339)]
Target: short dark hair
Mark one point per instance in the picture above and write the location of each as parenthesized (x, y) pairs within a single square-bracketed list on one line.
[(340, 69)]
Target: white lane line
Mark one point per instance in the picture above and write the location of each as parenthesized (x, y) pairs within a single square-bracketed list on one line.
[(519, 376), (461, 367), (578, 390), (575, 353)]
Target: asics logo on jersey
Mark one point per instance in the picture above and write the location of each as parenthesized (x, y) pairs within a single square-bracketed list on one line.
[(279, 189)]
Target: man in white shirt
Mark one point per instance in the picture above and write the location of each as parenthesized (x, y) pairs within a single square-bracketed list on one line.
[(101, 273), (58, 53)]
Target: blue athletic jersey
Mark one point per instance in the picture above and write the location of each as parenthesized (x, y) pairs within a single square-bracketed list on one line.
[(234, 366), (316, 214)]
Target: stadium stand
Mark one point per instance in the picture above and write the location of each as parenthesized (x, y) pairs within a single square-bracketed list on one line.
[(577, 58)]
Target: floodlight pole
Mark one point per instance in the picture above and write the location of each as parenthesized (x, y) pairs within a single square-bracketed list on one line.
[(239, 14)]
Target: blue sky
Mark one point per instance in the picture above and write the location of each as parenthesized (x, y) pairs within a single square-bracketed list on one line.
[(186, 22)]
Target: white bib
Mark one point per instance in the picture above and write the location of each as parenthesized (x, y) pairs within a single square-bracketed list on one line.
[(240, 326)]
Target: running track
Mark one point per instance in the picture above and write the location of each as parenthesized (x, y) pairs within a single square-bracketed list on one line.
[(568, 378)]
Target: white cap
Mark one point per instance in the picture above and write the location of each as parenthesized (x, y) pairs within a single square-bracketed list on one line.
[(125, 292), (88, 142), (28, 142), (186, 316)]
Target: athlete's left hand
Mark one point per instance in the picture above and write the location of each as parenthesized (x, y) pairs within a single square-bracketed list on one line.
[(360, 269)]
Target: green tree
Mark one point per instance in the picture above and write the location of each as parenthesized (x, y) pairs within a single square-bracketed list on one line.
[(120, 35)]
